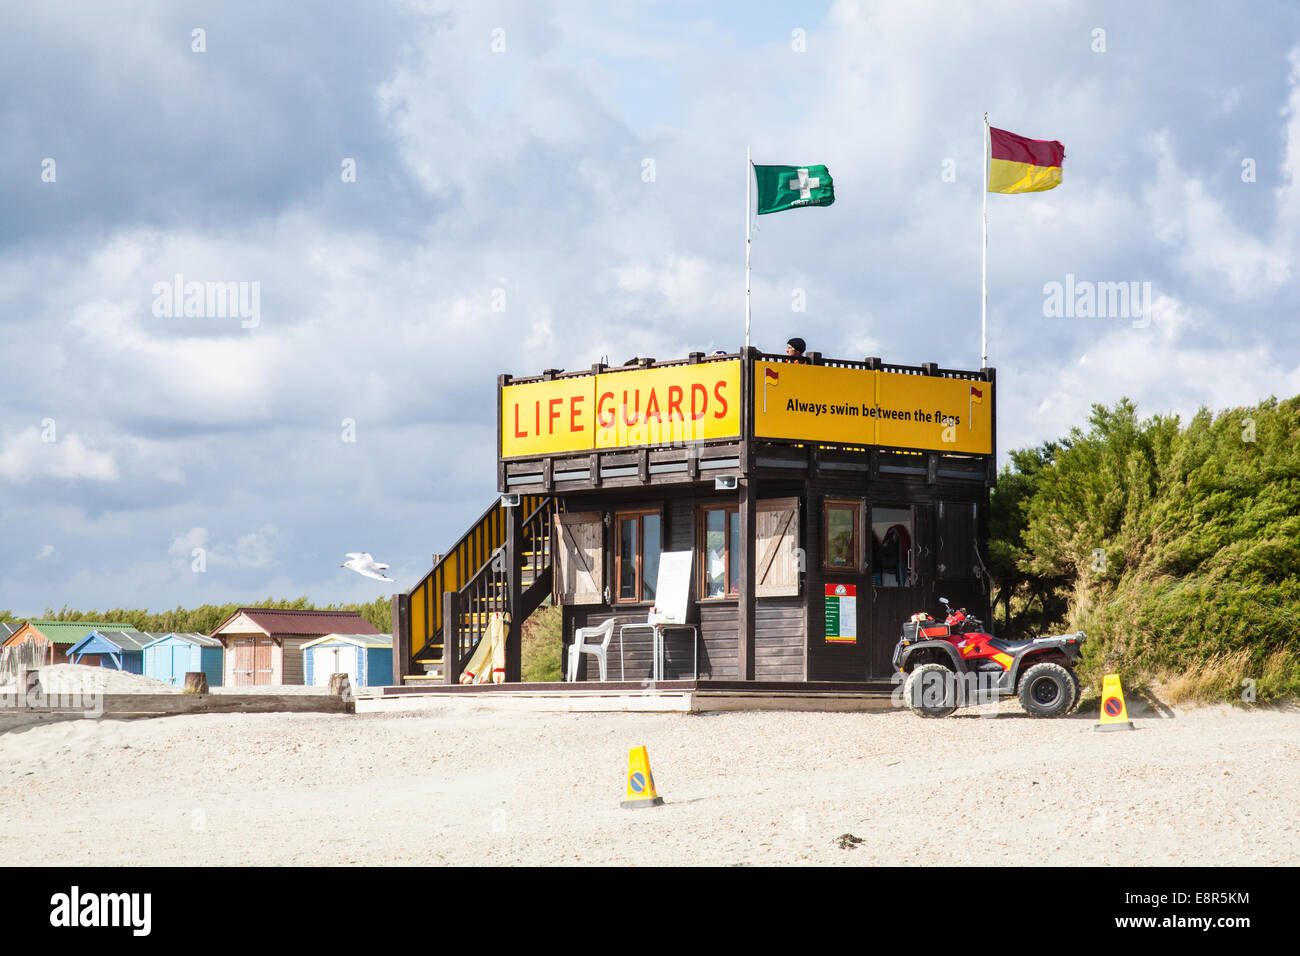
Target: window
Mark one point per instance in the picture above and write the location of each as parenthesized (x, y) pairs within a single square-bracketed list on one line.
[(720, 564), (637, 564), (892, 535), (841, 535)]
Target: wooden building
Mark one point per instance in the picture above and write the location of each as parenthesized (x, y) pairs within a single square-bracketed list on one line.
[(60, 636), (264, 645), (117, 650), (367, 659), (824, 501), (169, 657)]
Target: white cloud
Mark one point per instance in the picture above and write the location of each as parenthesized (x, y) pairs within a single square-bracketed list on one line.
[(183, 545), (1169, 367), (25, 457), (522, 171), (1210, 245), (256, 549), (253, 549)]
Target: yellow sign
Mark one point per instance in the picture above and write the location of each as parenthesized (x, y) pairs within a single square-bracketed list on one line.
[(662, 406), (541, 418), (640, 781), (1114, 715), (626, 409), (870, 407)]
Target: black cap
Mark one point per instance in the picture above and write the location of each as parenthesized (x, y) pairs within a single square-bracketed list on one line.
[(797, 344)]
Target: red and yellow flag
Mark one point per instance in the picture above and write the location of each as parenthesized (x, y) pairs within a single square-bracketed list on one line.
[(1021, 165)]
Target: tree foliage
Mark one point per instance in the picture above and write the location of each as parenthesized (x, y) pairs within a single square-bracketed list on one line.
[(205, 618), (1175, 548)]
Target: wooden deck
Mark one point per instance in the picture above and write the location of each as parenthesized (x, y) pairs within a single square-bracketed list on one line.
[(681, 696)]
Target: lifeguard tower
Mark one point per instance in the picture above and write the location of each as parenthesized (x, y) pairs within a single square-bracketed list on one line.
[(823, 502)]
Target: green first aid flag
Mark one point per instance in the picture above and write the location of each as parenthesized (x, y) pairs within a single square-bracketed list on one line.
[(785, 187)]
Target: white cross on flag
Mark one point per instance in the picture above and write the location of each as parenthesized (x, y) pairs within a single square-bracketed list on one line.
[(785, 187)]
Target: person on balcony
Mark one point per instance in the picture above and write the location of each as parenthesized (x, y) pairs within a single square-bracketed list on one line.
[(795, 349)]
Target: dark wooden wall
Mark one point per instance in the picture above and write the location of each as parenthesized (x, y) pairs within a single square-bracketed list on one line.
[(790, 642)]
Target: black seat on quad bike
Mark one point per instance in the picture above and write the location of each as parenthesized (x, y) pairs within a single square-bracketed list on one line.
[(1010, 647)]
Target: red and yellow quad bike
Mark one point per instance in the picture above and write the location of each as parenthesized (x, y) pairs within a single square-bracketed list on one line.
[(956, 662)]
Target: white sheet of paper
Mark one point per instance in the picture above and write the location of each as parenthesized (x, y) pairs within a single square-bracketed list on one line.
[(673, 587)]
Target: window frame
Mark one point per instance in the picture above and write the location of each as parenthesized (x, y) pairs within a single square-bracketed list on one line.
[(913, 573), (702, 552), (617, 519), (857, 506)]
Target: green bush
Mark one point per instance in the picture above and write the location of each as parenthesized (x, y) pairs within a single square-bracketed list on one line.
[(542, 645), (1177, 549)]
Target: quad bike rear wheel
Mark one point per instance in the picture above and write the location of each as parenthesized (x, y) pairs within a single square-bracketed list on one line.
[(1048, 690), (931, 690)]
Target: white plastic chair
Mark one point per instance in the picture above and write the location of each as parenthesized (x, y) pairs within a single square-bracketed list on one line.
[(580, 646)]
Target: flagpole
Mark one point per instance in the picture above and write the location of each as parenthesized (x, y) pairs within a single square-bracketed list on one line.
[(748, 219), (984, 256)]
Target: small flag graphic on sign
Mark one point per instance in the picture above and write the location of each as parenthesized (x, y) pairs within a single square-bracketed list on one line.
[(976, 398), (770, 377)]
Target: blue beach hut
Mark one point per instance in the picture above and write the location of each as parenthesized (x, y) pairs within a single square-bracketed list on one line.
[(169, 657), (119, 650), (367, 659)]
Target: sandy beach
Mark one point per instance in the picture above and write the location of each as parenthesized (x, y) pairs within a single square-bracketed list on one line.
[(467, 785)]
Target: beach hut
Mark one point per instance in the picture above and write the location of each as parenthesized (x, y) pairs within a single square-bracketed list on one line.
[(367, 659), (119, 650), (169, 657), (264, 645), (59, 636)]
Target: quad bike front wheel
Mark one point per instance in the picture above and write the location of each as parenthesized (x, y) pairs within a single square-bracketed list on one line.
[(1048, 690), (931, 690)]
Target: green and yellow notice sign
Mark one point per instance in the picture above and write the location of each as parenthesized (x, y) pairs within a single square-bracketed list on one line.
[(841, 614), (855, 406)]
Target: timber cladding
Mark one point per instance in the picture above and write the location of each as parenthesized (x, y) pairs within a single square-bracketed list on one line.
[(583, 586), (263, 646), (939, 523), (823, 502)]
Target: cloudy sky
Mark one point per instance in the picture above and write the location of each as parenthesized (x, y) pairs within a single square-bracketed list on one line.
[(424, 195)]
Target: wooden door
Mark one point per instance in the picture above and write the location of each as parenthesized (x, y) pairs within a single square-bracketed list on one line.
[(347, 664), (262, 660), (323, 661), (243, 673), (579, 555), (776, 548)]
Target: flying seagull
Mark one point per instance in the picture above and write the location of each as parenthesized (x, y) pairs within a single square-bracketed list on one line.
[(363, 563)]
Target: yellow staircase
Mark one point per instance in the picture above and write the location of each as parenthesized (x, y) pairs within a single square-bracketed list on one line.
[(492, 566)]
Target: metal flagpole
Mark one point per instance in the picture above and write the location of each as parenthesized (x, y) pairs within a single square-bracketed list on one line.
[(748, 167), (984, 256)]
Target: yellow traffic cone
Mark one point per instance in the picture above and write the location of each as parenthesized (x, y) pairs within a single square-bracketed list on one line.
[(1114, 715), (640, 782)]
